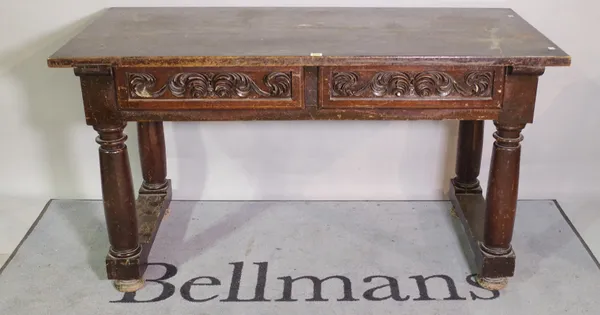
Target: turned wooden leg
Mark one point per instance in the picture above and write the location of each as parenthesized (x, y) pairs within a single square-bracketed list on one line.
[(501, 200), (153, 158), (468, 159), (119, 207), (155, 192), (468, 156)]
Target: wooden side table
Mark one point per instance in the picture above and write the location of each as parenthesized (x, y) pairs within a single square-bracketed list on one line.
[(151, 65)]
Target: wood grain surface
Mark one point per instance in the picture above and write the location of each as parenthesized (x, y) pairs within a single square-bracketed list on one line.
[(308, 36)]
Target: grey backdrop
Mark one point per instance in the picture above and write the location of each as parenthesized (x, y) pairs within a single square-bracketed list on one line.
[(48, 151)]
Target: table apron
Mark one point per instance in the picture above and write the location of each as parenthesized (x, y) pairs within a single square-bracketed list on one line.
[(309, 93)]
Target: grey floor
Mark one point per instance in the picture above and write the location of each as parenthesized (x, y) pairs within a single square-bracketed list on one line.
[(59, 268), (16, 217), (18, 214)]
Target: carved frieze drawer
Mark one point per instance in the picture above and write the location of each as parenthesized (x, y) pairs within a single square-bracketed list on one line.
[(209, 88), (411, 87)]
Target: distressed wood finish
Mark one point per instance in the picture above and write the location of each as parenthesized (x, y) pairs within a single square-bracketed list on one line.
[(132, 224), (155, 192), (119, 203), (503, 187), (210, 37), (200, 64), (311, 113), (153, 155), (489, 222), (468, 156)]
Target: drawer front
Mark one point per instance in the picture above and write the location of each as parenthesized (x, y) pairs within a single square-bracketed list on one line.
[(411, 87), (209, 88)]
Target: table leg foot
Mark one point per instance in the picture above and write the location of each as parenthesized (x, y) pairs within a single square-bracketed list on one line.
[(453, 212), (128, 285), (492, 283), (167, 213), (470, 209)]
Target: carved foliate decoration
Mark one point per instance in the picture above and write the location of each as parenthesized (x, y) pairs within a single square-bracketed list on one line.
[(426, 84), (201, 85)]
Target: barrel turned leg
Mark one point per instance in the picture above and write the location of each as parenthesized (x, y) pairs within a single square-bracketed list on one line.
[(119, 207), (151, 141), (468, 158), (501, 200)]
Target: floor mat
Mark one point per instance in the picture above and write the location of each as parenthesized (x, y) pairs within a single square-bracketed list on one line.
[(388, 257)]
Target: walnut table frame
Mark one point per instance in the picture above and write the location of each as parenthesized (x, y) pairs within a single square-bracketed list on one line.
[(151, 65)]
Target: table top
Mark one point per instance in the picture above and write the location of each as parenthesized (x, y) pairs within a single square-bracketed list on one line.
[(308, 36)]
